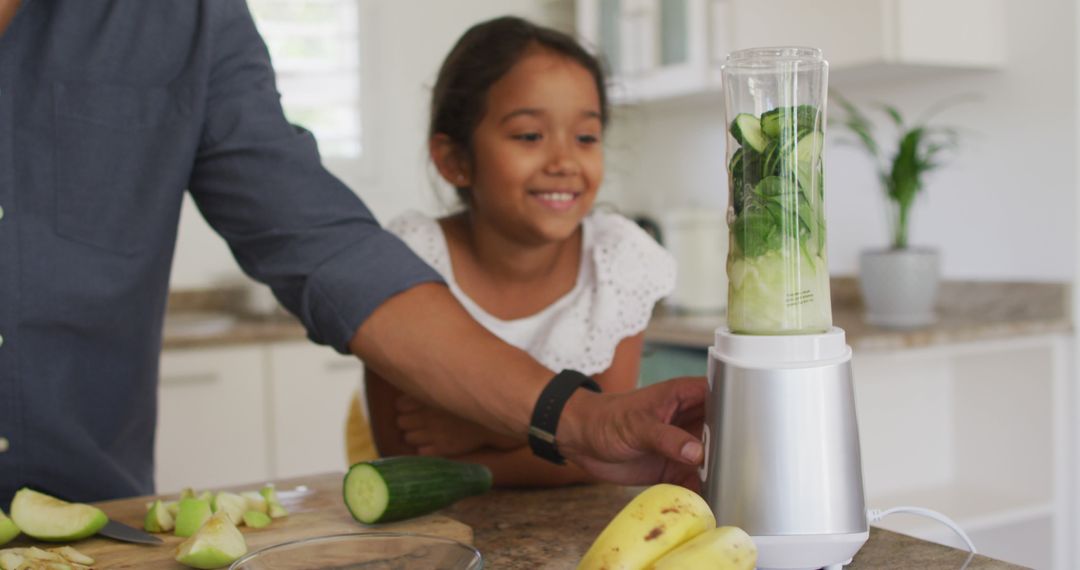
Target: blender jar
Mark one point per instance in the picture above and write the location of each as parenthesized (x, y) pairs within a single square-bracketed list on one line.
[(778, 277)]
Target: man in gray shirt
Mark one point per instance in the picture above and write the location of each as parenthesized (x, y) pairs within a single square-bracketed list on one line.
[(109, 110)]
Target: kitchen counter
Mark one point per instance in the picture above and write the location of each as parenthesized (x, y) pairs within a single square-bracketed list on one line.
[(967, 311), (552, 528), (513, 529)]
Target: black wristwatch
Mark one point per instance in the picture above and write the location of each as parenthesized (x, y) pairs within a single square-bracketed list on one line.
[(545, 417)]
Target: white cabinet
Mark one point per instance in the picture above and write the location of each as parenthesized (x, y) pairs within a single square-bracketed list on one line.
[(310, 390), (977, 432), (878, 39), (237, 415), (212, 420), (653, 48), (659, 49)]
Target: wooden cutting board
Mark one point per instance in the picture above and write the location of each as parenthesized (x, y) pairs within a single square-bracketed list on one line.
[(315, 509)]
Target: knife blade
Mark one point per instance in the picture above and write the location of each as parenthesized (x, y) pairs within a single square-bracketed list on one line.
[(121, 531)]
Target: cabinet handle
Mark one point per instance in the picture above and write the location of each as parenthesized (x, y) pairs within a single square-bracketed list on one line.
[(195, 378)]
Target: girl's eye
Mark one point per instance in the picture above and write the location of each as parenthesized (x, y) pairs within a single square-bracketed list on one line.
[(588, 139), (527, 137)]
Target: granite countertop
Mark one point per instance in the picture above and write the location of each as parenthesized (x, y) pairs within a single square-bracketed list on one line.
[(218, 317), (967, 311), (552, 528)]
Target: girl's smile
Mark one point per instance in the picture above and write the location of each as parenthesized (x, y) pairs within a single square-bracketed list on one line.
[(558, 200)]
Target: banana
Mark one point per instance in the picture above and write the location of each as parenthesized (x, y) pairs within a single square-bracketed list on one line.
[(723, 548), (659, 519)]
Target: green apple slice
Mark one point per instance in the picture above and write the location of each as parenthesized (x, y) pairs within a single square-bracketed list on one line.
[(255, 519), (8, 529), (73, 555), (273, 506), (218, 543), (193, 513), (158, 518), (231, 504), (255, 501), (50, 519)]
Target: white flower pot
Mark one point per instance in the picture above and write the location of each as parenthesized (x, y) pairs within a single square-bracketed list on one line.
[(899, 286)]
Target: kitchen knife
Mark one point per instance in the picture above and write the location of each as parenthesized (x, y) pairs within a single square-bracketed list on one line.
[(120, 531)]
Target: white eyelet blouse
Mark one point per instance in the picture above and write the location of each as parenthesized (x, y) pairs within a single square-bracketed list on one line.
[(623, 273)]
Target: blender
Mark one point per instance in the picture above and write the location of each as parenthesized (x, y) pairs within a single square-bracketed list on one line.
[(781, 439)]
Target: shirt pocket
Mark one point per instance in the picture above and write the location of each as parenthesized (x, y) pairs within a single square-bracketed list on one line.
[(120, 167)]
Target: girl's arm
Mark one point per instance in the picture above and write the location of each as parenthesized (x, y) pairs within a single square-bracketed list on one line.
[(518, 467), (396, 420), (381, 396)]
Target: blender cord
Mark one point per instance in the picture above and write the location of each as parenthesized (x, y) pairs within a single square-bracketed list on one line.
[(874, 515)]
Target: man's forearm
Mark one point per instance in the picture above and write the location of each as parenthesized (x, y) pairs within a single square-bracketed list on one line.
[(426, 344)]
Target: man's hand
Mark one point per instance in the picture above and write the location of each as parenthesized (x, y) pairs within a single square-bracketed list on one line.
[(641, 437)]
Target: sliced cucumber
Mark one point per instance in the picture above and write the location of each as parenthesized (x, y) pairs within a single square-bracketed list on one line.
[(808, 161), (396, 488), (794, 119), (746, 129)]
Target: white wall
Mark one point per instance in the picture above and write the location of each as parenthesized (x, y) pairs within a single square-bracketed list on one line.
[(409, 40), (1003, 209)]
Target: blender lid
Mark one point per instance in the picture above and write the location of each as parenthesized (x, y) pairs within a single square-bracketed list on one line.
[(782, 351)]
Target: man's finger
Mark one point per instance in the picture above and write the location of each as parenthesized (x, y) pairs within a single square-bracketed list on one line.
[(675, 444)]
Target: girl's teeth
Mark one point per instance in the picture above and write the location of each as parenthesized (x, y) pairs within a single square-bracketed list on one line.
[(556, 196)]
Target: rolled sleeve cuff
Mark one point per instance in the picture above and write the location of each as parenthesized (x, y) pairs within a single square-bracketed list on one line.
[(344, 291)]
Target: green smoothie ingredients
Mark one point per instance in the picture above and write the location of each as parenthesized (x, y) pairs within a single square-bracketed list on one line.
[(778, 275)]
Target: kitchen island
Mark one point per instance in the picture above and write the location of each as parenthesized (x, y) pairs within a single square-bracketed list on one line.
[(513, 529), (552, 528)]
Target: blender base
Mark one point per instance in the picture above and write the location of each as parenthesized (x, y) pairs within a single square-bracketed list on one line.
[(808, 552)]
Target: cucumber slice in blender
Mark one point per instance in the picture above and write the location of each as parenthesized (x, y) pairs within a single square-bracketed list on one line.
[(800, 118), (746, 129)]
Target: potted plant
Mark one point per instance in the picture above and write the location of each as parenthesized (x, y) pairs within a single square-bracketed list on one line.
[(899, 283)]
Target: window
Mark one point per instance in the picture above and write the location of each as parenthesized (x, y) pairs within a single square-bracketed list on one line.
[(316, 49)]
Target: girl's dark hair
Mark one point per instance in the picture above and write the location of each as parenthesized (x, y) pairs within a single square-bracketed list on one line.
[(481, 56)]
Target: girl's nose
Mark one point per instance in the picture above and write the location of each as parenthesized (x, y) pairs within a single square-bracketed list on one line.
[(562, 163)]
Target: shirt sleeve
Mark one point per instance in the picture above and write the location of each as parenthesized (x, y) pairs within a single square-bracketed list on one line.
[(261, 185)]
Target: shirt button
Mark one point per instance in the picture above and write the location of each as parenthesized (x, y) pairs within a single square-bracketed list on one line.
[(1, 212), (4, 445), (1, 340)]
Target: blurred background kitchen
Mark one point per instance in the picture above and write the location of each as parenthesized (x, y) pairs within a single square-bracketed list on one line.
[(973, 415)]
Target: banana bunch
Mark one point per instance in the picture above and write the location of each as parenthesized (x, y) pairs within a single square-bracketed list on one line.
[(668, 527)]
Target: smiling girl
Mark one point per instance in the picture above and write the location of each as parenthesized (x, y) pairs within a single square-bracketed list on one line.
[(517, 120)]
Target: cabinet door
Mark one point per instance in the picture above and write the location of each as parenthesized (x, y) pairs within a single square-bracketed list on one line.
[(211, 419), (877, 37), (311, 388), (653, 48)]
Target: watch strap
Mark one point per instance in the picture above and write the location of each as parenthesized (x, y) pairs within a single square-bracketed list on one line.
[(549, 407)]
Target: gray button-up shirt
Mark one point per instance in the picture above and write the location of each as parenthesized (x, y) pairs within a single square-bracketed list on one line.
[(109, 110)]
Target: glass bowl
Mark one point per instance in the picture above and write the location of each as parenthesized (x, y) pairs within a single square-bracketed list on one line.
[(367, 551)]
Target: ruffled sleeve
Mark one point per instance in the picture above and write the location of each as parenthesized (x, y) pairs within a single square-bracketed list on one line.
[(423, 235)]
